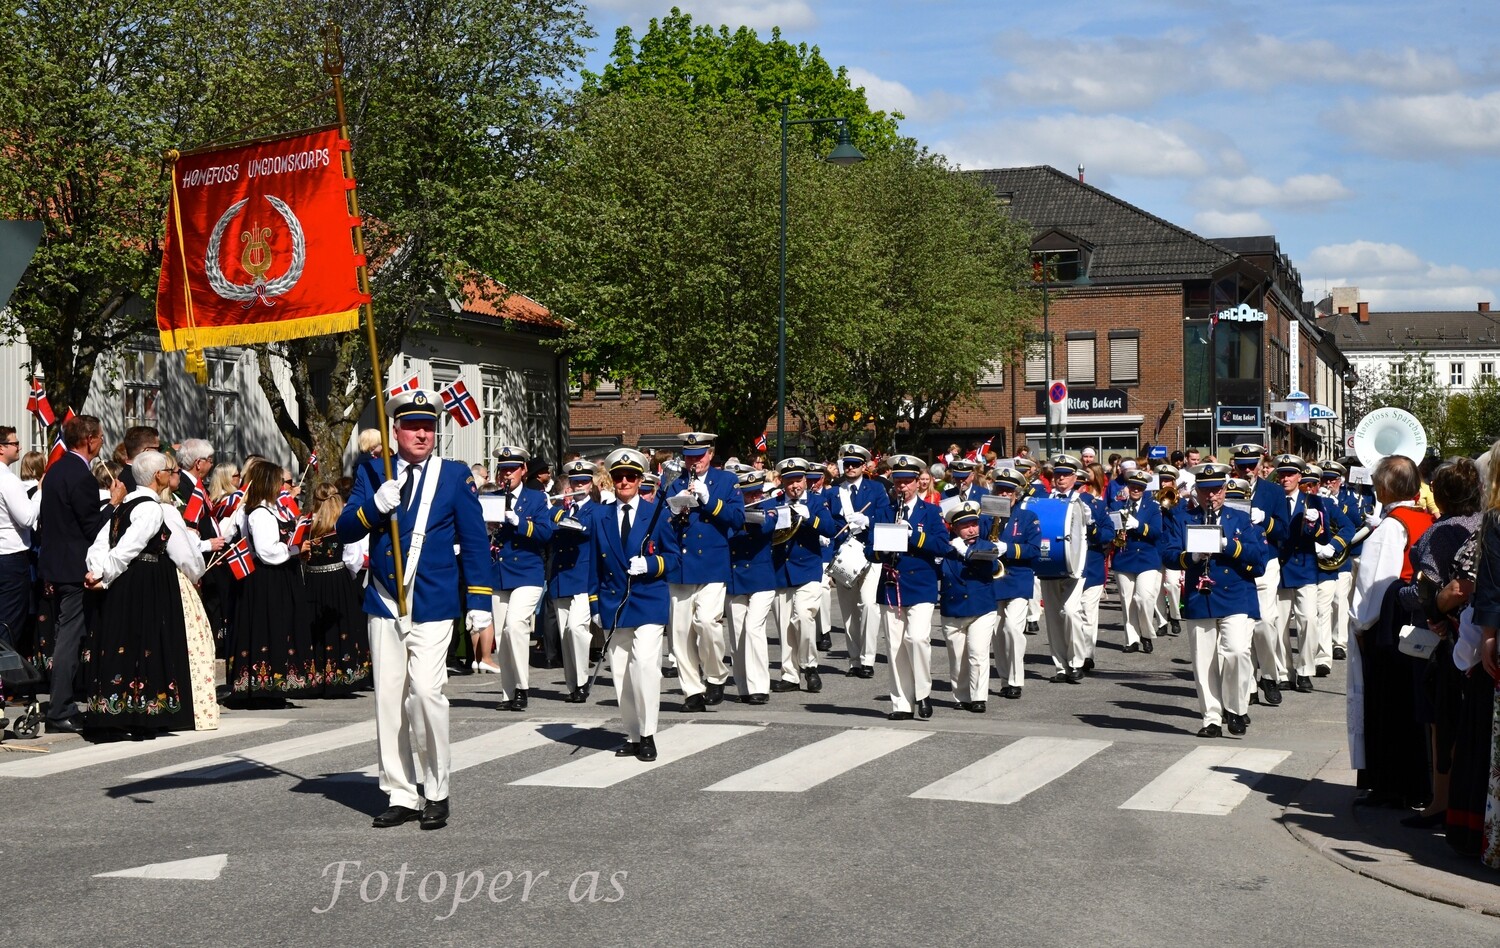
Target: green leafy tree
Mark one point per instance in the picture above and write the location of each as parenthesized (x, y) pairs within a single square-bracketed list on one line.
[(1473, 418)]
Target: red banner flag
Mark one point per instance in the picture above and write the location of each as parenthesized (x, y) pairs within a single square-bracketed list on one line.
[(258, 245)]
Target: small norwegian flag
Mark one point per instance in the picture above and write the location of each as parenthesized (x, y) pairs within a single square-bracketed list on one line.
[(299, 535), (287, 502), (229, 504), (410, 385), (979, 453), (460, 404), (38, 404), (58, 448), (312, 461), (197, 505), (761, 443), (241, 563)]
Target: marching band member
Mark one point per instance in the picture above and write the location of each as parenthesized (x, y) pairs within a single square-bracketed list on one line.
[(520, 545), (860, 502), (967, 605), (909, 590), (1317, 532), (1062, 599), (798, 558), (437, 506), (1137, 562), (965, 484), (571, 583), (1268, 511), (1220, 603), (1352, 506), (752, 591), (1169, 603), (1100, 537), (1014, 591), (1035, 486), (816, 488), (637, 550), (710, 509)]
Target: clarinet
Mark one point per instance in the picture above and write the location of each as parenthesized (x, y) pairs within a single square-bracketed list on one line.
[(1120, 538)]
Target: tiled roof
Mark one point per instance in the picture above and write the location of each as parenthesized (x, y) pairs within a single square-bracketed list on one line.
[(1129, 244), (489, 298), (1413, 330)]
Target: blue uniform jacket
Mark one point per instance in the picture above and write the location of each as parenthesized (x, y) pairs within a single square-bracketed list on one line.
[(1270, 498), (919, 568), (703, 531), (1142, 552), (1116, 495), (1100, 535), (829, 499), (648, 602), (800, 559), (1171, 531), (968, 585), (750, 566), (1231, 572), (446, 586), (1299, 560), (870, 497), (1356, 507), (573, 553), (1022, 537), (520, 552), (976, 491)]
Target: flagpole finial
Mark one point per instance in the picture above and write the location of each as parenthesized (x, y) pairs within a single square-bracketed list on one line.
[(333, 53)]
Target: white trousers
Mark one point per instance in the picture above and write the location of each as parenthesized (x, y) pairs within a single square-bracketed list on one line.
[(573, 623), (1138, 595), (1170, 601), (1090, 603), (825, 602), (1222, 669), (1067, 629), (514, 611), (968, 639), (908, 632), (1270, 657), (1010, 648), (750, 614), (1034, 604), (698, 639), (1337, 612), (861, 615), (798, 608), (635, 666), (1302, 603), (410, 662)]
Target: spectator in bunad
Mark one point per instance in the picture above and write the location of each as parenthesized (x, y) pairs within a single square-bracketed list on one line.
[(636, 548), (967, 604), (797, 556), (1100, 536), (139, 676), (570, 582), (909, 589), (752, 591), (1220, 603), (1138, 562), (73, 516), (339, 636), (196, 461), (18, 516), (1167, 497), (1316, 534), (520, 574), (436, 507), (196, 626), (1395, 756), (1015, 584)]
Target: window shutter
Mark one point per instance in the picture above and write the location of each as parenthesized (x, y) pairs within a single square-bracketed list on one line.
[(1081, 360), (1124, 360)]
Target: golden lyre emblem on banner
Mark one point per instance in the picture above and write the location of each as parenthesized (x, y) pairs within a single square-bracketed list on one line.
[(256, 257)]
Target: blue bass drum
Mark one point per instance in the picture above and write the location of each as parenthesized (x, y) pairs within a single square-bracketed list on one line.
[(1064, 549)]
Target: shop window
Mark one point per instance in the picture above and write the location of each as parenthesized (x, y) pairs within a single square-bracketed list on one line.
[(1081, 359), (1486, 370), (223, 404), (1124, 359)]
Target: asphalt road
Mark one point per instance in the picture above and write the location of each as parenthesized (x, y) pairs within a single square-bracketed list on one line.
[(1081, 814)]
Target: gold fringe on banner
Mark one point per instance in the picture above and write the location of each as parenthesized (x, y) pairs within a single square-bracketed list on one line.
[(200, 337)]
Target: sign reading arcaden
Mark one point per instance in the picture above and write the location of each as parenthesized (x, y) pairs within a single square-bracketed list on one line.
[(1088, 401)]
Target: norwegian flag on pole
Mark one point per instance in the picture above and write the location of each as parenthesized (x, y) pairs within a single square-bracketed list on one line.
[(58, 448), (241, 563), (299, 535), (287, 502), (761, 443), (197, 505), (312, 461), (38, 405), (460, 404), (229, 504), (410, 385)]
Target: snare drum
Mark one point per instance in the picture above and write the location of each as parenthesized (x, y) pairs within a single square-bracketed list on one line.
[(1063, 549), (848, 564)]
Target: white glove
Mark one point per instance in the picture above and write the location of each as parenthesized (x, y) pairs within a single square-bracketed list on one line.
[(824, 541), (1372, 521), (1200, 557), (858, 523), (568, 523), (700, 490), (1310, 515), (801, 510), (1131, 523), (1257, 516), (959, 546), (1324, 550), (512, 518), (1223, 542), (637, 566), (1001, 548), (477, 620), (388, 496), (1088, 513)]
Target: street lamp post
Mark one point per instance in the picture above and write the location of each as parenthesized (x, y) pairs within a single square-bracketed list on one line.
[(844, 153)]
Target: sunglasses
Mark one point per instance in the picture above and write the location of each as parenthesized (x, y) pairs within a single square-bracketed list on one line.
[(626, 476)]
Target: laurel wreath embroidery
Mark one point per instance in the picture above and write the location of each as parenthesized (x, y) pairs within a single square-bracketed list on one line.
[(261, 290)]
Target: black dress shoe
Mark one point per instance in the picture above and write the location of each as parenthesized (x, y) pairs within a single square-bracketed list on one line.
[(1148, 646), (1428, 821), (965, 705), (978, 707), (1032, 628), (434, 814), (757, 699), (395, 816), (575, 696), (518, 700), (628, 749), (73, 724), (1287, 685), (1059, 678), (867, 671), (1304, 684), (780, 686), (1088, 666), (669, 672), (1011, 691), (1325, 670), (713, 694), (813, 679), (899, 716), (647, 751), (1176, 627), (1210, 730), (694, 703), (853, 672), (1133, 647), (1074, 676), (1236, 722), (825, 642), (1272, 690), (1339, 654), (924, 708)]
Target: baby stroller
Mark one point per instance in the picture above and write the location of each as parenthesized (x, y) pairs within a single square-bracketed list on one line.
[(19, 677)]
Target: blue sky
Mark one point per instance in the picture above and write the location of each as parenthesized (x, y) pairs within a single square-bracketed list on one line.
[(1364, 136)]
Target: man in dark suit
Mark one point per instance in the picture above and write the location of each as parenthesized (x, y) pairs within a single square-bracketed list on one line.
[(71, 519)]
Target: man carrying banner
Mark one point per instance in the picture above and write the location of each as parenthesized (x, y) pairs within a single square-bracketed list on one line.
[(437, 509)]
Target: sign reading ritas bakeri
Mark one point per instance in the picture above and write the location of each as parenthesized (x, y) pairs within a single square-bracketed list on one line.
[(258, 245)]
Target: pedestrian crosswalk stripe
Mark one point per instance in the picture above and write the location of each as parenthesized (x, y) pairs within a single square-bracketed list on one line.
[(606, 770), (1210, 780), (820, 761), (266, 755), (505, 742), (1009, 774), (64, 761)]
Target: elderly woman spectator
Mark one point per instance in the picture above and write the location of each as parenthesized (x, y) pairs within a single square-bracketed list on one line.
[(1475, 782)]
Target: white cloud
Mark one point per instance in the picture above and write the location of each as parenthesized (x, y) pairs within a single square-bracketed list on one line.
[(1107, 145), (1266, 59), (1301, 190), (1364, 258), (1236, 224), (1422, 125), (885, 95), (1118, 73), (1392, 277), (756, 14)]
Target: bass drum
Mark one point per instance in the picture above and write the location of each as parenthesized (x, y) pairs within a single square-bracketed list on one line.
[(848, 564), (1064, 549)]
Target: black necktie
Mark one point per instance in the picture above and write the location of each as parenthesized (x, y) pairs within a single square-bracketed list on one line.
[(625, 524), (408, 483)]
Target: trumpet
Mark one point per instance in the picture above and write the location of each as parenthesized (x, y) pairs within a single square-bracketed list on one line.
[(1121, 536)]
